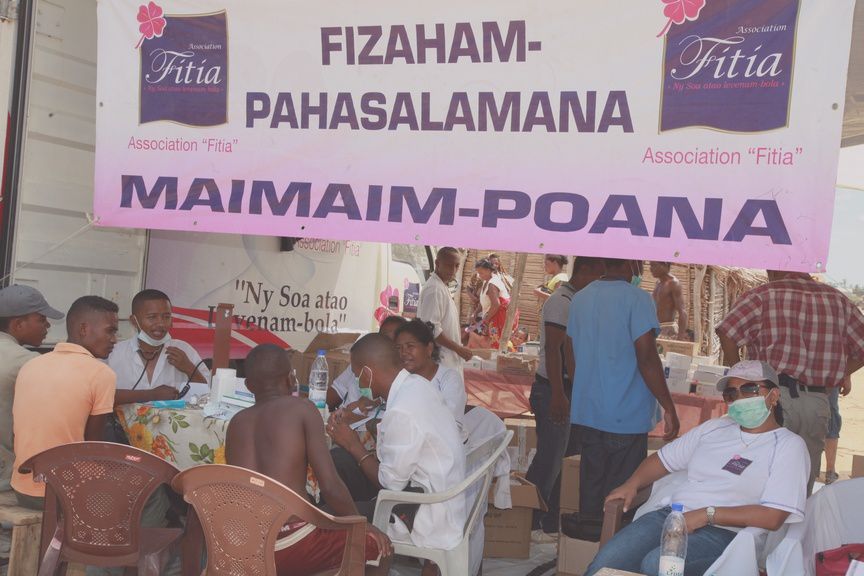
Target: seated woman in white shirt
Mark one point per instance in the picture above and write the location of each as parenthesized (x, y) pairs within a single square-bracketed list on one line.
[(416, 344), (742, 470)]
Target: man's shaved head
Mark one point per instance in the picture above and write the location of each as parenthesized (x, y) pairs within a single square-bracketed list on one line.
[(376, 350), (267, 364)]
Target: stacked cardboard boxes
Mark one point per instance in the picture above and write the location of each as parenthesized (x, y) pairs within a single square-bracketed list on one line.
[(686, 348), (706, 377), (677, 370), (574, 556), (508, 532), (569, 495), (517, 364)]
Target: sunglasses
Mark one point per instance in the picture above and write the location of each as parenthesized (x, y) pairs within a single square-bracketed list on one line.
[(746, 390)]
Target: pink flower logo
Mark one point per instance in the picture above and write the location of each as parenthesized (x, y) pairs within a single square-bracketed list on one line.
[(386, 294), (152, 22), (678, 11)]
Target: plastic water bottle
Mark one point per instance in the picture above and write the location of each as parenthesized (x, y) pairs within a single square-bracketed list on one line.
[(673, 543), (318, 380)]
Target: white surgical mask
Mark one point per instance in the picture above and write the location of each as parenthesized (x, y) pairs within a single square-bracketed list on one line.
[(149, 340)]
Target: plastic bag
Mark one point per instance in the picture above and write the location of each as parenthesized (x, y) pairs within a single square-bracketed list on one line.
[(836, 562)]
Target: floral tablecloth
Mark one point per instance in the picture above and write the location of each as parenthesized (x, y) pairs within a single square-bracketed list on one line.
[(183, 437), (186, 438)]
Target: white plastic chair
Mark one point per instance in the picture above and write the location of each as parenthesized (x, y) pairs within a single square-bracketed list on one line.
[(750, 548), (833, 517), (453, 562), (480, 424)]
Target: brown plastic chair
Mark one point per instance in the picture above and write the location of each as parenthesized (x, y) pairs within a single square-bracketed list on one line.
[(241, 513), (94, 495), (613, 514)]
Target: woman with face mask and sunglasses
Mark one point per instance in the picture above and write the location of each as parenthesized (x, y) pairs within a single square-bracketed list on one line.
[(743, 469), (415, 341)]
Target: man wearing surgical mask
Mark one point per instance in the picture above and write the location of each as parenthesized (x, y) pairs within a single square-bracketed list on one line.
[(345, 389), (154, 366)]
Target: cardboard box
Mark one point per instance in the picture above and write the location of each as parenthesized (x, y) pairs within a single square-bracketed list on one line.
[(678, 380), (517, 364), (508, 532), (715, 369), (524, 432), (857, 466), (708, 390), (338, 347), (523, 445), (685, 348), (569, 496), (331, 341), (680, 361), (484, 353), (574, 556)]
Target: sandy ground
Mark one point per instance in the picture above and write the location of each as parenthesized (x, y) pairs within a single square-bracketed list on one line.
[(852, 432)]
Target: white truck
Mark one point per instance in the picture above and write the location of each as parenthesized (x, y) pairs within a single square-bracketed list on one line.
[(283, 289)]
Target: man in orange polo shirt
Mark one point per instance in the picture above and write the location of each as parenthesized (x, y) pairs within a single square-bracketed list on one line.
[(63, 396)]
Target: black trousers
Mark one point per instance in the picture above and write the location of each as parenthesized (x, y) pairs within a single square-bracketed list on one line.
[(608, 460)]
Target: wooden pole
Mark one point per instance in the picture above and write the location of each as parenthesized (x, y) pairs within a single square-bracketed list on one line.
[(519, 273), (696, 316), (222, 336)]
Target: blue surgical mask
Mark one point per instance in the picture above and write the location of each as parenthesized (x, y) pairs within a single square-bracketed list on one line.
[(749, 412), (636, 280)]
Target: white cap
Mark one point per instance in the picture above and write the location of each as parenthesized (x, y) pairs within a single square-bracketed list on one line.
[(752, 370)]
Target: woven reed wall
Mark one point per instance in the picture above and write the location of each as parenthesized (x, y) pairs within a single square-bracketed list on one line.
[(729, 284)]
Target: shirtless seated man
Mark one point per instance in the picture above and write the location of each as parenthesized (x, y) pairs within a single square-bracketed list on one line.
[(278, 437)]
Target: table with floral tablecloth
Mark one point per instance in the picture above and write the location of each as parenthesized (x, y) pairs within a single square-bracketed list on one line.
[(186, 438), (183, 437)]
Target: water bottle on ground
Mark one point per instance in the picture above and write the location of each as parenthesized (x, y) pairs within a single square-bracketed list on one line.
[(318, 380), (673, 543)]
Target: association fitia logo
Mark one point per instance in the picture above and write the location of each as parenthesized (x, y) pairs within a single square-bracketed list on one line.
[(728, 64), (184, 67)]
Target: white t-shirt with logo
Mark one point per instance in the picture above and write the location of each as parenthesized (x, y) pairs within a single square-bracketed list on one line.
[(729, 467)]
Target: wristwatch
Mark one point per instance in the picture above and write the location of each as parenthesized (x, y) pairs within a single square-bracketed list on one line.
[(710, 511)]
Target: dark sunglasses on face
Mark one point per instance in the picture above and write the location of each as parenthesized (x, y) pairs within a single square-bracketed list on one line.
[(746, 390)]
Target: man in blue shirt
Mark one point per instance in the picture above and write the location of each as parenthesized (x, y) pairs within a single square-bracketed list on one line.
[(618, 380)]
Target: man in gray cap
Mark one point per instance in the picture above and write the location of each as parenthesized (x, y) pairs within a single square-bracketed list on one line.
[(24, 317)]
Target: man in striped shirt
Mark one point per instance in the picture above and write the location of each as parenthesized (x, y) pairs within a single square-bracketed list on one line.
[(811, 334)]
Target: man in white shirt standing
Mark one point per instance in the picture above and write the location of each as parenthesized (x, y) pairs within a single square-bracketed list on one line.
[(154, 366), (437, 306), (418, 442)]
